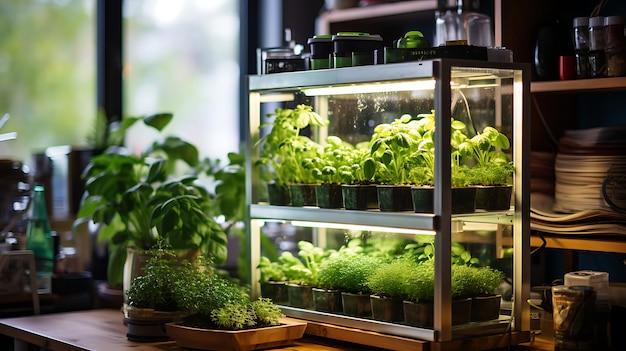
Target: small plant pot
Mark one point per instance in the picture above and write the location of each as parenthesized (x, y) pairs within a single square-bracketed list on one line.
[(276, 291), (387, 309), (463, 199), (300, 296), (421, 314), (359, 196), (329, 196), (327, 300), (357, 305), (485, 308), (423, 198), (494, 198), (302, 195), (394, 198), (278, 195)]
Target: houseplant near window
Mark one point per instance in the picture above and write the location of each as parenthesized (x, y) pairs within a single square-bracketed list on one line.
[(283, 149), (136, 199)]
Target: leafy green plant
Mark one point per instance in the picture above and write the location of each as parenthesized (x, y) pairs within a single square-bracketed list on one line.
[(271, 270), (303, 269), (492, 165), (477, 281), (359, 167), (283, 149), (136, 199), (326, 167), (347, 272), (389, 280)]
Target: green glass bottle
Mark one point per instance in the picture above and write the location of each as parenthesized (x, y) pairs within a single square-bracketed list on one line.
[(39, 239)]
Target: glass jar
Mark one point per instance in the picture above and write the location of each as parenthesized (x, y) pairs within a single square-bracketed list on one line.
[(615, 46), (597, 58), (581, 46)]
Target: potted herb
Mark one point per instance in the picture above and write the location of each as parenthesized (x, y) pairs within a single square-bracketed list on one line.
[(391, 146), (347, 271), (387, 284), (358, 176), (221, 316), (137, 199), (273, 280), (326, 168), (492, 169), (153, 296), (481, 285), (283, 149), (301, 273)]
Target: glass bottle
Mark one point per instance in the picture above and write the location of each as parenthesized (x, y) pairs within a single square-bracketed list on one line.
[(39, 239), (597, 58), (615, 46), (581, 46)]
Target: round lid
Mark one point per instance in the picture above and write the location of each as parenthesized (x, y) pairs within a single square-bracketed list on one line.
[(581, 21), (326, 38), (597, 21), (357, 36), (613, 20)]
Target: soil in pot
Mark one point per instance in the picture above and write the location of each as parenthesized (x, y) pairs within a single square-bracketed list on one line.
[(276, 291), (359, 197), (394, 198), (300, 296), (327, 300), (302, 195), (387, 309), (329, 196), (494, 198), (278, 194), (357, 305), (485, 308), (421, 314)]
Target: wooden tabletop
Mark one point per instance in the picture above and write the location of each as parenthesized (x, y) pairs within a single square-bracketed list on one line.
[(104, 329)]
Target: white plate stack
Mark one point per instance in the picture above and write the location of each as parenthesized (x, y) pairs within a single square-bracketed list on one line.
[(586, 160)]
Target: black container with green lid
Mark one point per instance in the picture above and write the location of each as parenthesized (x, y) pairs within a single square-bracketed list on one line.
[(321, 51), (358, 45)]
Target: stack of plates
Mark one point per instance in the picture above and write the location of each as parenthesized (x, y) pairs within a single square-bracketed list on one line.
[(585, 160)]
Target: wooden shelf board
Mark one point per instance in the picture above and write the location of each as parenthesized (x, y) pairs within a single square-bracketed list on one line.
[(578, 85), (599, 244)]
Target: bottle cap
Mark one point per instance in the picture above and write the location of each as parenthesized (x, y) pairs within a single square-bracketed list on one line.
[(597, 21), (581, 21), (613, 20)]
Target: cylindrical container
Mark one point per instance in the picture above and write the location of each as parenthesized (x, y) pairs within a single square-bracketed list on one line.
[(573, 311), (347, 45), (597, 58), (615, 46), (40, 239), (581, 46), (321, 51)]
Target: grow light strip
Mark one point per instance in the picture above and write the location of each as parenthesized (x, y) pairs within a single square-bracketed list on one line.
[(357, 227), (371, 88)]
